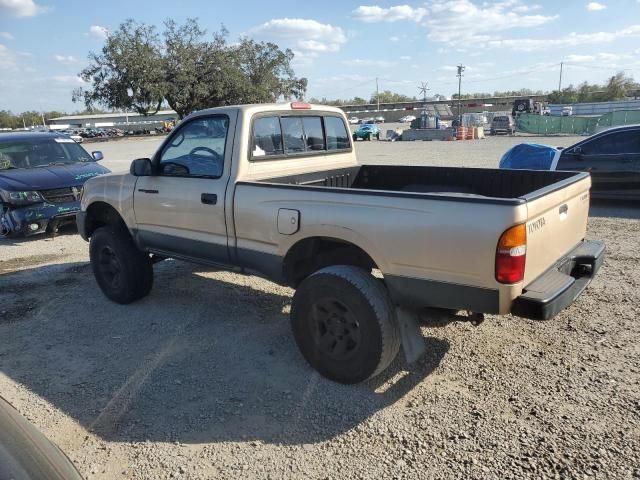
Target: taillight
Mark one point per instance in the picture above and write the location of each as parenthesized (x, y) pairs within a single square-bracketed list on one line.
[(511, 255)]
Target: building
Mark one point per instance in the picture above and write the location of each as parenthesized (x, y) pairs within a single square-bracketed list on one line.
[(115, 120)]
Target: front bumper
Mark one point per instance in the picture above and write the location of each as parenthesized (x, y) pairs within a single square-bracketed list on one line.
[(38, 218), (559, 286)]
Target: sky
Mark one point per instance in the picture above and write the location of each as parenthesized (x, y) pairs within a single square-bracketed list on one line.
[(340, 46)]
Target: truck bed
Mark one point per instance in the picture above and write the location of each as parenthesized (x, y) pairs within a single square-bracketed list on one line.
[(464, 184)]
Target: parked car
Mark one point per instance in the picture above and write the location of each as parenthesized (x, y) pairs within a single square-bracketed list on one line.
[(41, 179), (354, 120), (407, 119), (379, 119), (367, 132), (567, 111), (292, 202), (368, 120), (612, 157), (502, 125), (26, 454)]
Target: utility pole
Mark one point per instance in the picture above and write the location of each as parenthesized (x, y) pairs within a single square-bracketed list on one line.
[(459, 75), (560, 83), (377, 94)]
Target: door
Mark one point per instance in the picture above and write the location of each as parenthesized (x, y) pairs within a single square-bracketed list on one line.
[(180, 210), (613, 171)]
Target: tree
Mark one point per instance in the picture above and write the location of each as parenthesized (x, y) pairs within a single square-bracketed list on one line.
[(139, 70), (387, 96), (129, 72)]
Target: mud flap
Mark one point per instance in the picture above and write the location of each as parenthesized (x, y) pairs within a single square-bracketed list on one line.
[(413, 343)]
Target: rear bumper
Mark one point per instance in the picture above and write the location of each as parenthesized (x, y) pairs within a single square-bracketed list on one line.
[(559, 286)]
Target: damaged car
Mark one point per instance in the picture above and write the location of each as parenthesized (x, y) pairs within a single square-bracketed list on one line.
[(41, 180)]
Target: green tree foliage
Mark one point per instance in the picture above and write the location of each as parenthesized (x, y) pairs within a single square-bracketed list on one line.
[(128, 73), (618, 87), (387, 96), (138, 70), (31, 119)]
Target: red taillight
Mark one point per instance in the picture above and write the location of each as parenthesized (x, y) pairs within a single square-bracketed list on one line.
[(511, 255), (300, 105)]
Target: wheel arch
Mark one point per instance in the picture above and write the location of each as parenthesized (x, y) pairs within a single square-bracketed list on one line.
[(99, 214), (311, 254)]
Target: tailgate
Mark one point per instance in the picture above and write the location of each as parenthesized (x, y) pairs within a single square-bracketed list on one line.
[(556, 222)]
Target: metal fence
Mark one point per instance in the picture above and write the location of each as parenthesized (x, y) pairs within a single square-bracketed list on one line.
[(574, 124)]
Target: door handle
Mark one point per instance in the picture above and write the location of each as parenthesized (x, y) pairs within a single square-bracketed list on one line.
[(144, 190), (209, 198)]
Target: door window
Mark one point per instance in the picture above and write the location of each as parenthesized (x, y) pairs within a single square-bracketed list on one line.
[(628, 141), (603, 145), (196, 149)]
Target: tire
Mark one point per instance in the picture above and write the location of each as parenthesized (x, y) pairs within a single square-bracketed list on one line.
[(355, 137), (344, 324), (378, 136), (368, 137), (124, 273)]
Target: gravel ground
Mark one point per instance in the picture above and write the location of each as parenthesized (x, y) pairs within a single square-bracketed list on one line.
[(202, 379)]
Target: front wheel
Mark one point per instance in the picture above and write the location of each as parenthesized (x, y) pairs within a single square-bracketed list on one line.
[(124, 273), (344, 324)]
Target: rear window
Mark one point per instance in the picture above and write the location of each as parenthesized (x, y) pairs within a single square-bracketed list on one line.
[(294, 135), (336, 131), (267, 137)]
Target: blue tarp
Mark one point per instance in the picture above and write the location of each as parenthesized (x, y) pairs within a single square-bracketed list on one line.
[(529, 156)]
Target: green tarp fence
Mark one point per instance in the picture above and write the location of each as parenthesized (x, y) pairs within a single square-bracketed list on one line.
[(573, 124)]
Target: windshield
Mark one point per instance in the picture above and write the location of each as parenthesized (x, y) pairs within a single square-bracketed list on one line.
[(41, 152)]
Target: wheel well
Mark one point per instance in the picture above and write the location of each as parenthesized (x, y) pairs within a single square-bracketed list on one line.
[(312, 254), (100, 214)]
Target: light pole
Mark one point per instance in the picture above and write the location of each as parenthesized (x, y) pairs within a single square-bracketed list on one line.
[(459, 75)]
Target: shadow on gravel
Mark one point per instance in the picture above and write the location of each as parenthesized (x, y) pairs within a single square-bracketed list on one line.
[(200, 360), (19, 240), (615, 209)]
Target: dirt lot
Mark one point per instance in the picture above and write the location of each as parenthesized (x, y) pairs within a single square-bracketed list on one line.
[(202, 379)]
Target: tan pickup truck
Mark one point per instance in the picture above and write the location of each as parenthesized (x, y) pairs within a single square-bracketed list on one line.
[(277, 190)]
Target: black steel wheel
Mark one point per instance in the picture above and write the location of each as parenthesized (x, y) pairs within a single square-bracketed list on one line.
[(344, 324), (123, 272)]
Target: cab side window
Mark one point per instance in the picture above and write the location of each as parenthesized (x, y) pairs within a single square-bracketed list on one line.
[(196, 149)]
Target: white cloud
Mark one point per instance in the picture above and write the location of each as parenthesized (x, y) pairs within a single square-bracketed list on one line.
[(65, 58), (306, 37), (580, 58), (375, 14), (72, 80), (6, 35), (20, 8), (8, 60), (595, 6), (405, 57), (570, 40), (394, 39), (462, 22), (98, 32), (364, 62)]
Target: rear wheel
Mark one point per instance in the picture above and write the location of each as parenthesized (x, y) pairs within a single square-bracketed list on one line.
[(355, 137), (124, 273), (344, 324), (378, 136)]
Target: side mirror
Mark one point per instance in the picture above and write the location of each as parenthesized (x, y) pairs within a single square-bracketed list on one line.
[(141, 167), (97, 156)]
